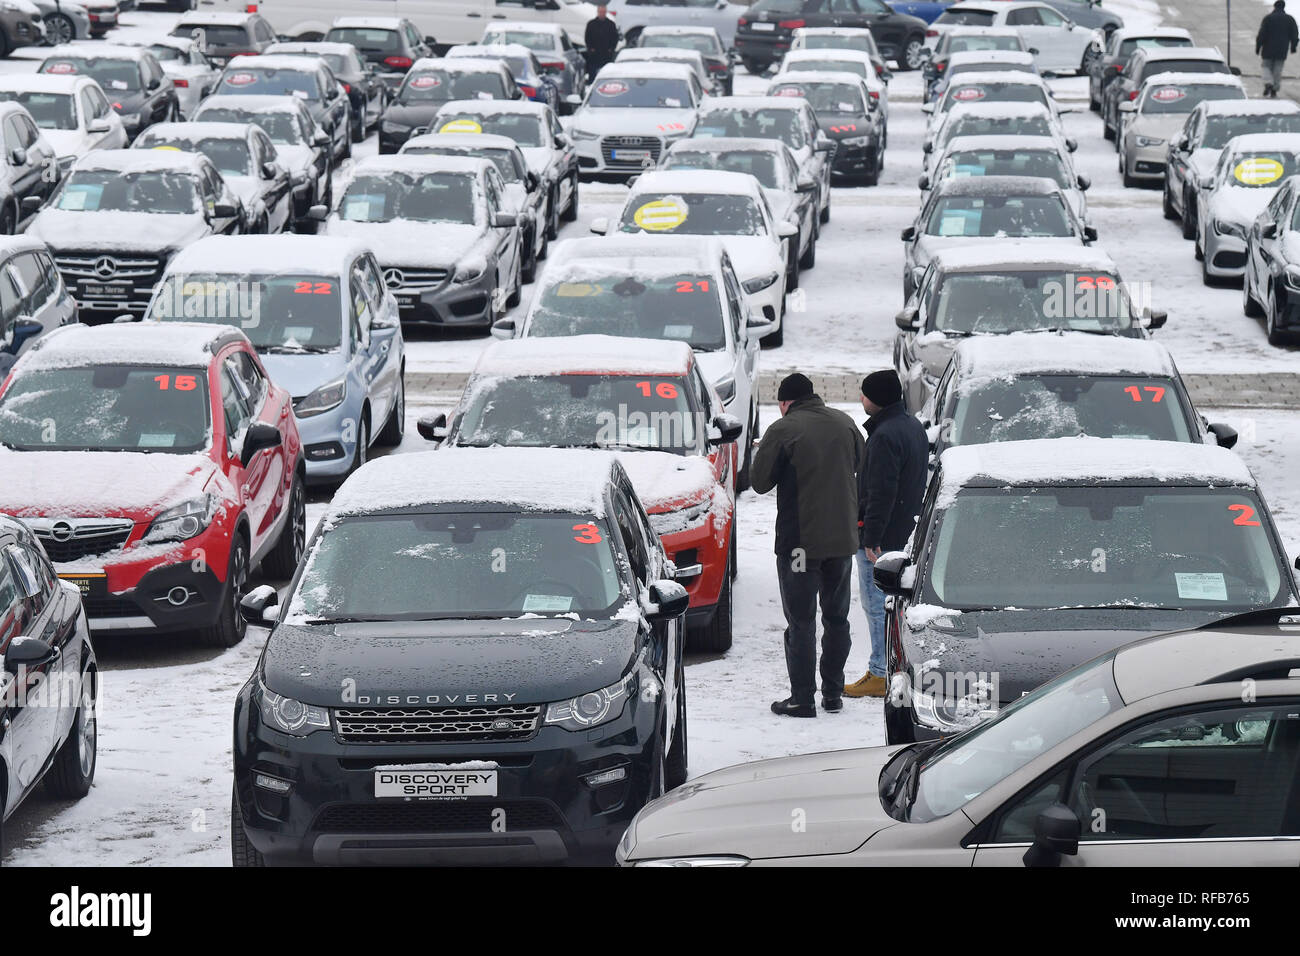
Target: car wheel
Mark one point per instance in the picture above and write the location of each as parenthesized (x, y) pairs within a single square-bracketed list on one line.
[(809, 258), (283, 560), (230, 627), (571, 213), (1107, 131), (242, 853), (1189, 218), (1249, 305), (553, 214), (911, 58), (775, 339), (791, 274), (361, 454), (7, 222), (516, 285), (529, 272), (825, 215), (715, 637), (1167, 203), (1129, 181), (1275, 335), (898, 728), (395, 427), (73, 769), (59, 29), (5, 46), (753, 66), (1210, 280), (873, 177), (675, 767), (346, 151)]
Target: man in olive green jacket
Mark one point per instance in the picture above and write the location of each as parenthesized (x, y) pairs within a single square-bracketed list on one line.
[(812, 456)]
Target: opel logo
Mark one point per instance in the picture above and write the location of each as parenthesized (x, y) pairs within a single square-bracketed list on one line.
[(394, 278), (501, 725), (60, 531), (105, 266)]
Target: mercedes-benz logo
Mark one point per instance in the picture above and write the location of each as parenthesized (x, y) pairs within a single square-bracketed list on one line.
[(394, 278), (60, 531), (105, 266)]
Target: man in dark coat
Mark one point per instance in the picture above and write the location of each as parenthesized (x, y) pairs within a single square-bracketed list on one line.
[(601, 40), (1277, 36), (811, 456), (890, 488)]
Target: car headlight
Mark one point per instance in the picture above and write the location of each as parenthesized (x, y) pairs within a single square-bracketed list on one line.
[(1225, 228), (590, 710), (856, 141), (291, 716), (391, 127), (1293, 277), (759, 283), (947, 716), (726, 387), (182, 522), (323, 399), (577, 133), (680, 519), (1145, 141), (467, 270), (695, 861)]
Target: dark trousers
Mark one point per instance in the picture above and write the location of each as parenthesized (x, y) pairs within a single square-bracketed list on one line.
[(803, 581), (595, 60)]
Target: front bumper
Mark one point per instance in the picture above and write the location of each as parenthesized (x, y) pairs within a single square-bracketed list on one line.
[(620, 157), (429, 296), (329, 440), (1145, 162), (767, 302), (855, 160), (705, 547), (1225, 254)]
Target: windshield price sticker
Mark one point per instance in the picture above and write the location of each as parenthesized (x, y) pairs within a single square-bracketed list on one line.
[(241, 79), (1258, 171), (663, 389), (1154, 392), (612, 88), (587, 534), (968, 94), (426, 82), (547, 602), (661, 215), (461, 126), (61, 68), (1206, 586), (789, 91), (313, 288), (1094, 282), (1168, 94)]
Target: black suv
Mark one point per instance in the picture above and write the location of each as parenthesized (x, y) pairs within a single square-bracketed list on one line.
[(131, 77), (763, 34), (520, 711)]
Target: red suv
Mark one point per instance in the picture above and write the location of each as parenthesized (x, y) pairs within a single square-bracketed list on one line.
[(157, 464)]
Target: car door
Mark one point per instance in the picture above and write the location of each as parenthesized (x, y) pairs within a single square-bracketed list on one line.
[(30, 726), (1265, 261), (1068, 40), (241, 408), (373, 354), (746, 345), (507, 244)]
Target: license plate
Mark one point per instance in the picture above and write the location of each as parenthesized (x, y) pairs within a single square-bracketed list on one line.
[(435, 784), (407, 301), (631, 155), (92, 290), (763, 26), (85, 582)]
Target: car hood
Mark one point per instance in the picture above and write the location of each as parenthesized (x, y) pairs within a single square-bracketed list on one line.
[(295, 157), (1203, 162), (715, 365), (406, 242), (927, 245), (111, 232), (537, 660), (1239, 204), (302, 374), (745, 810), (845, 127), (247, 188), (1162, 125), (86, 484), (664, 481), (752, 255), (413, 114), (67, 142), (537, 158), (614, 121), (783, 204)]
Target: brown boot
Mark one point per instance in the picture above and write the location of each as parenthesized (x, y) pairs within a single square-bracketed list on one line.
[(871, 685)]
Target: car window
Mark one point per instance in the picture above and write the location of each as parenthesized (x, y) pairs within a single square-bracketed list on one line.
[(13, 138), (374, 282), (251, 378), (1050, 18), (13, 610), (735, 300), (32, 279), (11, 299), (360, 315), (26, 579), (236, 402), (629, 531), (99, 102), (1027, 17)]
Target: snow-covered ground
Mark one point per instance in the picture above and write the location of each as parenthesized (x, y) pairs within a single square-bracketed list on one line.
[(162, 790)]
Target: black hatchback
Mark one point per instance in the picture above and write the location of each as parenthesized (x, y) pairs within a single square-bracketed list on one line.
[(479, 662), (764, 34)]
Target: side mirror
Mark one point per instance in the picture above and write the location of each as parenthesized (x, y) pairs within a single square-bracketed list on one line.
[(891, 570), (254, 605), (1056, 834), (320, 138), (1083, 181), (928, 107), (600, 225), (1033, 51), (823, 144), (531, 181), (224, 210), (31, 203), (729, 428), (23, 330), (573, 99), (561, 141), (1224, 435), (1071, 143), (806, 185), (1183, 144), (908, 319), (503, 329), (502, 220), (1235, 70), (1268, 230), (100, 125), (756, 326), (318, 213), (154, 83), (432, 427), (27, 653), (1127, 106), (1089, 234), (908, 234), (927, 147), (785, 229), (666, 600), (269, 170), (17, 156), (923, 183), (430, 41), (1155, 318), (259, 437)]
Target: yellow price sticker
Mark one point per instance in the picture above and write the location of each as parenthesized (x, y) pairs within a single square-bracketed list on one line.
[(461, 126), (577, 290), (661, 215), (174, 149), (1258, 171)]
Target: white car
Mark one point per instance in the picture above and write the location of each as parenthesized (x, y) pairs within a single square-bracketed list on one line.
[(634, 15), (839, 61), (1011, 86), (1011, 156), (633, 112), (731, 206), (1062, 45), (841, 38), (983, 61), (691, 58), (995, 119), (72, 112), (192, 73)]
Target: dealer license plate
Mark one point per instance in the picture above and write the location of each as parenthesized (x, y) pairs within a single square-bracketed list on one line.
[(94, 290), (631, 155), (760, 25), (435, 784), (85, 582)]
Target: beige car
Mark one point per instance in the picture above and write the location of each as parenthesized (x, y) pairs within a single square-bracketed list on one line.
[(1158, 114)]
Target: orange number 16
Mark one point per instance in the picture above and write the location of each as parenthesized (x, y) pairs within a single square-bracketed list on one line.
[(663, 389)]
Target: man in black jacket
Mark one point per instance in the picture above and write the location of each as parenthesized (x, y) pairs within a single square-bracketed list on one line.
[(601, 39), (890, 488), (1277, 36), (811, 456)]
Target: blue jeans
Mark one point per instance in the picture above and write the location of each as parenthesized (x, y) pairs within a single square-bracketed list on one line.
[(873, 602)]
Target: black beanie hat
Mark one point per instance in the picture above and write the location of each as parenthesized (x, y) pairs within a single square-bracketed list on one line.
[(794, 387), (883, 387)]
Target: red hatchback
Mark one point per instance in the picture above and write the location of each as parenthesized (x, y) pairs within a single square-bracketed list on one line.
[(157, 464)]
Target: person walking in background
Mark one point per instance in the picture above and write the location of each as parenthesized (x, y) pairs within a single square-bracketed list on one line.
[(811, 456), (1276, 38), (601, 39), (890, 487)]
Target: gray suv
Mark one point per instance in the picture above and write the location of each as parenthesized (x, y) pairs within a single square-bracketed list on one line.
[(33, 298)]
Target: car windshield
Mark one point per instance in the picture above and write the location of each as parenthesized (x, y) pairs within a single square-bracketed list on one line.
[(1065, 406), (948, 778), (526, 129), (231, 156), (214, 34), (683, 307), (542, 42), (1161, 100), (760, 164), (423, 197), (1220, 129), (825, 97), (959, 44), (1258, 169), (580, 411), (830, 64), (270, 81), (966, 18), (1006, 162), (282, 128), (109, 190), (996, 302), (1000, 217), (503, 159), (49, 110), (700, 42), (114, 75), (1183, 66), (994, 92), (760, 124), (817, 41), (414, 567), (779, 6), (1145, 43), (278, 313), (972, 124), (1104, 546), (440, 86), (640, 91), (697, 214), (367, 39), (106, 408)]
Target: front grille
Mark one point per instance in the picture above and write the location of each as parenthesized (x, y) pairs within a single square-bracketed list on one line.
[(84, 266), (403, 279), (1143, 166), (439, 817), (420, 724), (611, 143), (110, 606), (1230, 260), (81, 538)]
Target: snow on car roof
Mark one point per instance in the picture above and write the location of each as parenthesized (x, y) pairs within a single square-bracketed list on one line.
[(375, 23), (998, 186), (143, 160), (659, 54), (420, 163), (986, 358), (1175, 78), (990, 56), (722, 144), (1248, 107), (1015, 77), (42, 82), (255, 103), (1051, 461), (1181, 53), (96, 51), (649, 70), (998, 110), (287, 253), (311, 46), (493, 107), (583, 354), (523, 479), (832, 31), (676, 30), (530, 26), (1129, 33), (693, 181), (189, 132), (744, 104), (969, 30), (632, 254), (19, 243), (273, 61), (460, 64), (1023, 255), (1251, 142), (827, 53), (216, 18), (456, 141), (1002, 141), (129, 343), (821, 76), (488, 51)]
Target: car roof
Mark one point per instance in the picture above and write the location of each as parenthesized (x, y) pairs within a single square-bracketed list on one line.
[(1176, 78), (494, 107), (985, 358), (144, 160), (19, 243), (970, 29), (525, 26), (422, 163), (676, 29), (692, 181), (219, 18), (660, 54), (1003, 141), (744, 103), (1247, 107), (191, 131), (819, 76), (472, 140), (1129, 33), (43, 82), (832, 31), (998, 186), (721, 144), (634, 69), (253, 103), (483, 51), (128, 343), (1016, 77), (1286, 142), (584, 355), (96, 51), (376, 23), (990, 56), (636, 253), (276, 61), (520, 479), (998, 110), (286, 253), (1155, 53), (1023, 255), (310, 46), (828, 53), (462, 64)]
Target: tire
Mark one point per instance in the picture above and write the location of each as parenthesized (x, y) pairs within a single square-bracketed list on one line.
[(347, 148), (516, 292), (1129, 181), (1189, 219), (174, 115), (553, 215), (282, 561), (1252, 308), (1276, 336), (675, 765), (1167, 205), (809, 258), (5, 46), (529, 271), (571, 214), (242, 853), (230, 626), (59, 29), (898, 729), (1107, 132), (7, 222), (1206, 278), (872, 178), (715, 637), (791, 276), (746, 460), (395, 427), (73, 770), (825, 215), (361, 454), (911, 58), (754, 67)]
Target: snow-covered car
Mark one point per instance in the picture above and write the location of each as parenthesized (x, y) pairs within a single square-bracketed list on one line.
[(633, 16), (968, 211), (192, 74), (433, 81), (1194, 152), (21, 24), (1026, 385), (64, 21), (71, 112), (159, 466), (850, 114), (1024, 788), (33, 298), (1120, 45), (704, 40), (322, 322), (1010, 286), (388, 44), (788, 119), (765, 31), (1011, 86), (647, 400), (533, 82), (1062, 44), (791, 196), (550, 644), (536, 129), (1144, 63), (560, 60), (247, 161), (1158, 113), (982, 61), (1042, 156), (839, 61), (841, 38), (224, 34), (961, 39), (367, 93), (448, 243), (131, 77), (307, 79), (1270, 287), (1247, 176), (996, 119), (632, 113), (121, 214), (301, 146), (525, 194), (683, 289), (689, 58), (731, 206)]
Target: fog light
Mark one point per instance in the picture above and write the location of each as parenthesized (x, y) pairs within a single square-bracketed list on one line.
[(178, 596), (274, 784), (606, 777)]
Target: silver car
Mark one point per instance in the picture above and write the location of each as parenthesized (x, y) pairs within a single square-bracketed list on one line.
[(190, 70), (1149, 122), (975, 156), (33, 298)]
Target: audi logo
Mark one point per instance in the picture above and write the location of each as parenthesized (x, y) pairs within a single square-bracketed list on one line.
[(105, 266)]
